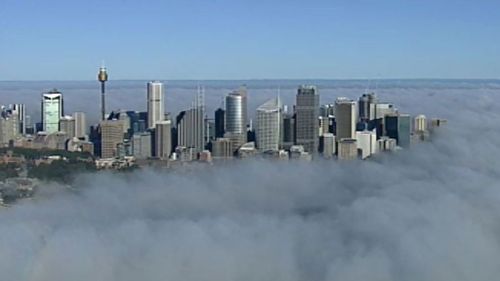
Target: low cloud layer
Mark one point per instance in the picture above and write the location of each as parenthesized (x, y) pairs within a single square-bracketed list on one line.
[(429, 213)]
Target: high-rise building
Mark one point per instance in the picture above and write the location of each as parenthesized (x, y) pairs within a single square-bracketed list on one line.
[(383, 109), (347, 149), (19, 110), (9, 126), (155, 96), (345, 118), (398, 126), (191, 127), (236, 115), (111, 132), (80, 125), (327, 145), (306, 118), (67, 125), (327, 110), (141, 145), (420, 123), (366, 107), (52, 111), (366, 141), (268, 131), (163, 139), (288, 131), (220, 123), (222, 149)]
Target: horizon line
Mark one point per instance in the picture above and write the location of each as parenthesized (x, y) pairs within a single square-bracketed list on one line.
[(264, 79)]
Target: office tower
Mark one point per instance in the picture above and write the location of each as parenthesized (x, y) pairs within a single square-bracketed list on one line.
[(220, 123), (9, 126), (398, 126), (268, 130), (345, 118), (209, 130), (190, 126), (366, 141), (122, 116), (383, 109), (366, 107), (288, 131), (347, 149), (327, 145), (163, 139), (80, 125), (19, 110), (306, 118), (111, 132), (420, 123), (236, 116), (30, 129), (141, 145), (155, 96), (324, 125), (222, 149), (67, 125), (52, 111), (327, 110), (102, 77)]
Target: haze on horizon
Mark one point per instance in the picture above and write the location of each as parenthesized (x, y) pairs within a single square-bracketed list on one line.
[(428, 213), (222, 39)]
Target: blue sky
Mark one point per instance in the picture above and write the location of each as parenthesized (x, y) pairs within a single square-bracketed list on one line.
[(222, 39)]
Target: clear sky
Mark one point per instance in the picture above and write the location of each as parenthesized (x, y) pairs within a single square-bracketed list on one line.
[(224, 39)]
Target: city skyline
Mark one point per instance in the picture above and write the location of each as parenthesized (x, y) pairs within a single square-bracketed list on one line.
[(250, 40)]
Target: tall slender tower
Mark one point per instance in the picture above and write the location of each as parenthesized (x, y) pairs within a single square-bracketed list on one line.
[(155, 106), (102, 76)]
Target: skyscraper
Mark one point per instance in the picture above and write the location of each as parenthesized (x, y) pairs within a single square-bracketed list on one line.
[(306, 119), (19, 110), (398, 126), (367, 103), (347, 149), (345, 117), (163, 139), (80, 125), (191, 127), (236, 115), (220, 123), (52, 110), (111, 132), (141, 145), (288, 130), (155, 95), (67, 125), (268, 131)]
